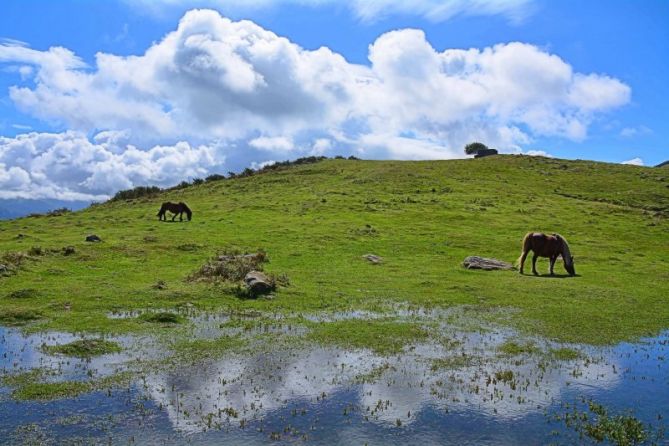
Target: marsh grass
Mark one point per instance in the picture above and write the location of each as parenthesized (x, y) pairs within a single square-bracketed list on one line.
[(162, 317), (84, 348), (45, 391)]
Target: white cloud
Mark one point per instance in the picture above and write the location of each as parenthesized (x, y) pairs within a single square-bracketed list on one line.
[(629, 132), (68, 166), (235, 90), (275, 144), (634, 162)]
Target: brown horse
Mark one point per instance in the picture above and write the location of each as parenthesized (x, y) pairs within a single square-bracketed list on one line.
[(176, 209), (551, 246)]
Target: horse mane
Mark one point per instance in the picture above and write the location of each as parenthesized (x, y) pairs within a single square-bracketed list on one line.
[(566, 253)]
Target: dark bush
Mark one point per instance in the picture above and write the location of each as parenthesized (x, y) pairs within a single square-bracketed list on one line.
[(137, 192), (474, 147)]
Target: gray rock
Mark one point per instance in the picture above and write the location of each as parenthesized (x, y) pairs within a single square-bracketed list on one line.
[(93, 238), (373, 258), (476, 262), (3, 268), (259, 283)]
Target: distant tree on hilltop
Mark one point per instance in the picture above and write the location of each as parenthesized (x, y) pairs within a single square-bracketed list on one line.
[(474, 147)]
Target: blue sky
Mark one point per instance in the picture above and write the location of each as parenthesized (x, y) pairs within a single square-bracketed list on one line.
[(582, 80)]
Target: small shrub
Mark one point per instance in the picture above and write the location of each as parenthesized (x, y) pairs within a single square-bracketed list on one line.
[(25, 293), (58, 212), (230, 266), (36, 251)]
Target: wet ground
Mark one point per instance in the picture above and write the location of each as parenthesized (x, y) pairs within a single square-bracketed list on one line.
[(461, 390)]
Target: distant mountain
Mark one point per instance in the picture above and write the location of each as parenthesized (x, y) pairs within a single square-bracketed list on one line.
[(14, 208), (664, 164)]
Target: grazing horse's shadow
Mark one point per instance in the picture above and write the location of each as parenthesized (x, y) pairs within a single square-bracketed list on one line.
[(553, 276)]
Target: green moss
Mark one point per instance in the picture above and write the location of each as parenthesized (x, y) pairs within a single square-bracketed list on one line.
[(84, 348), (382, 336)]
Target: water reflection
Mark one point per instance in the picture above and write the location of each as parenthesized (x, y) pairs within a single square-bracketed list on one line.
[(459, 391)]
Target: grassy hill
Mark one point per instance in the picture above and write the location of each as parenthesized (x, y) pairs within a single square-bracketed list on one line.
[(316, 221)]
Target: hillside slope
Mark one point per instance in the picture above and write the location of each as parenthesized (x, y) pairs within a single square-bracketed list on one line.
[(316, 221)]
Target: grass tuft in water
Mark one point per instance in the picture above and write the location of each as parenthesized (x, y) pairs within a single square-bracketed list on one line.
[(512, 348), (162, 318), (84, 348)]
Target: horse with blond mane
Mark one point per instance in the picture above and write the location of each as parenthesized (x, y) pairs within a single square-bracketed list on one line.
[(551, 246)]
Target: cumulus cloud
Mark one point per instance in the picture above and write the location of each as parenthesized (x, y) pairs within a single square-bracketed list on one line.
[(634, 162), (68, 166), (236, 90)]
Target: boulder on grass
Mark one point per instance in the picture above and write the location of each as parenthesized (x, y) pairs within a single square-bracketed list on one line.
[(258, 283), (476, 262), (93, 238)]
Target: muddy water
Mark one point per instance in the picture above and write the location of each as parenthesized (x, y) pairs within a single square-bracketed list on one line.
[(459, 392)]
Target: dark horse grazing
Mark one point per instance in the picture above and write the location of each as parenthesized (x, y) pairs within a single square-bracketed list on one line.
[(551, 246), (174, 208)]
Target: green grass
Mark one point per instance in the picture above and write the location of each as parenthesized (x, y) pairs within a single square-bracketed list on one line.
[(84, 348), (315, 222)]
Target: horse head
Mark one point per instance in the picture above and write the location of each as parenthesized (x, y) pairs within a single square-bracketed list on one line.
[(569, 266)]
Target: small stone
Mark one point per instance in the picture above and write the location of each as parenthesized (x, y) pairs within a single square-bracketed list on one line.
[(373, 258), (93, 238), (476, 262)]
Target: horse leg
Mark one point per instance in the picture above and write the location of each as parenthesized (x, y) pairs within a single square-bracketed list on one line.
[(181, 216), (534, 265), (553, 259), (174, 216), (522, 260)]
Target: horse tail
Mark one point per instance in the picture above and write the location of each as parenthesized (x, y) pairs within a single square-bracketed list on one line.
[(526, 247)]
